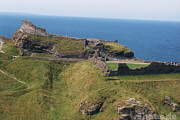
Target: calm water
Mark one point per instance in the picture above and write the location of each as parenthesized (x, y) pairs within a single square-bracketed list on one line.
[(150, 40)]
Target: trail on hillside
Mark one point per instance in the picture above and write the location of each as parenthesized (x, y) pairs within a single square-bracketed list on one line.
[(7, 74), (1, 44)]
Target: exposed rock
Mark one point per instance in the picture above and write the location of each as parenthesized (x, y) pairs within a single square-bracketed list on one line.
[(32, 39), (28, 27), (116, 41), (135, 111), (168, 102), (132, 101), (125, 117), (90, 109), (175, 107)]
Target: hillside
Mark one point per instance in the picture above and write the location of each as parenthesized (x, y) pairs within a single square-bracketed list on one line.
[(43, 89), (55, 90), (36, 89)]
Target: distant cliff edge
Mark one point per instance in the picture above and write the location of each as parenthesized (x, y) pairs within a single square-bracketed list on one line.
[(32, 39)]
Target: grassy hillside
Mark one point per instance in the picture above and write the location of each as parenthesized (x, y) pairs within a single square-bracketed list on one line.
[(10, 49), (56, 89), (64, 45)]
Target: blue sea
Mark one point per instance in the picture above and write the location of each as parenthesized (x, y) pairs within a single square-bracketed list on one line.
[(150, 40)]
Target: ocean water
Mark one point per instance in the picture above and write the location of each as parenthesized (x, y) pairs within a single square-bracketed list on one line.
[(149, 40)]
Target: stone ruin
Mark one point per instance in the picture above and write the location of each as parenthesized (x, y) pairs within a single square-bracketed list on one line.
[(134, 110), (153, 68), (122, 69), (99, 62)]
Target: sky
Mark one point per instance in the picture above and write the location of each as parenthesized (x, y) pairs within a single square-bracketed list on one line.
[(123, 9)]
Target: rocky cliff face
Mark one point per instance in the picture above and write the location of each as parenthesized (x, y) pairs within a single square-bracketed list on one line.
[(26, 45), (32, 39)]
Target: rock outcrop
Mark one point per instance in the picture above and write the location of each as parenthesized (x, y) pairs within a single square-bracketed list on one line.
[(90, 109), (136, 111), (28, 27), (168, 102), (32, 39)]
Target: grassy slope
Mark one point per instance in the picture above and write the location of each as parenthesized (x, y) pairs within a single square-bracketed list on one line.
[(10, 49), (63, 46), (72, 84), (42, 55), (116, 48), (113, 66)]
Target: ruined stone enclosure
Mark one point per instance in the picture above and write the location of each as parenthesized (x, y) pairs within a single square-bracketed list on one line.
[(123, 69), (153, 68)]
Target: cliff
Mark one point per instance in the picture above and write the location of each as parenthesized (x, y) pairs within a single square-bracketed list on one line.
[(32, 39)]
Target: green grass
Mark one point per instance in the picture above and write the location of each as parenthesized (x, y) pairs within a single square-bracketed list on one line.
[(70, 47), (64, 45), (113, 66), (8, 83), (4, 38), (10, 49), (155, 91), (4, 56), (57, 89), (118, 49), (43, 55), (133, 66)]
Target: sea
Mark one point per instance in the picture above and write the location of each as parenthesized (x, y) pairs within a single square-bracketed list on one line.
[(149, 40)]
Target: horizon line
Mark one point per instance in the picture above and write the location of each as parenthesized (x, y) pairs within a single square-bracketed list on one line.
[(21, 13)]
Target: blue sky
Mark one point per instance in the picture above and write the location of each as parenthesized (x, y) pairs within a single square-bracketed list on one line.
[(123, 9)]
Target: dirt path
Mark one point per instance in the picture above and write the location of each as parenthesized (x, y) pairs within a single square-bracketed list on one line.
[(7, 74), (1, 44)]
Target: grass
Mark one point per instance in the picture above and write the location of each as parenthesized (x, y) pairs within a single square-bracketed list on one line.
[(8, 83), (70, 47), (155, 91), (133, 66), (64, 45), (118, 49), (10, 49), (4, 56), (42, 55), (113, 66), (57, 89), (17, 102), (4, 38)]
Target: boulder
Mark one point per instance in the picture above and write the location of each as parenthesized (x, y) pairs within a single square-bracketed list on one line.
[(132, 101), (168, 102), (90, 109)]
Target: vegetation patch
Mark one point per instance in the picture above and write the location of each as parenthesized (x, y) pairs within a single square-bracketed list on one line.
[(118, 49), (42, 55), (10, 49), (113, 66), (65, 46), (57, 89)]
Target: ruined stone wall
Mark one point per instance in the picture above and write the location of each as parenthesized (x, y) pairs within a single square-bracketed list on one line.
[(99, 63), (56, 59), (153, 68)]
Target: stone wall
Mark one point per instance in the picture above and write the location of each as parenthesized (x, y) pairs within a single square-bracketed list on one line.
[(99, 63), (153, 68), (123, 69), (56, 59)]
